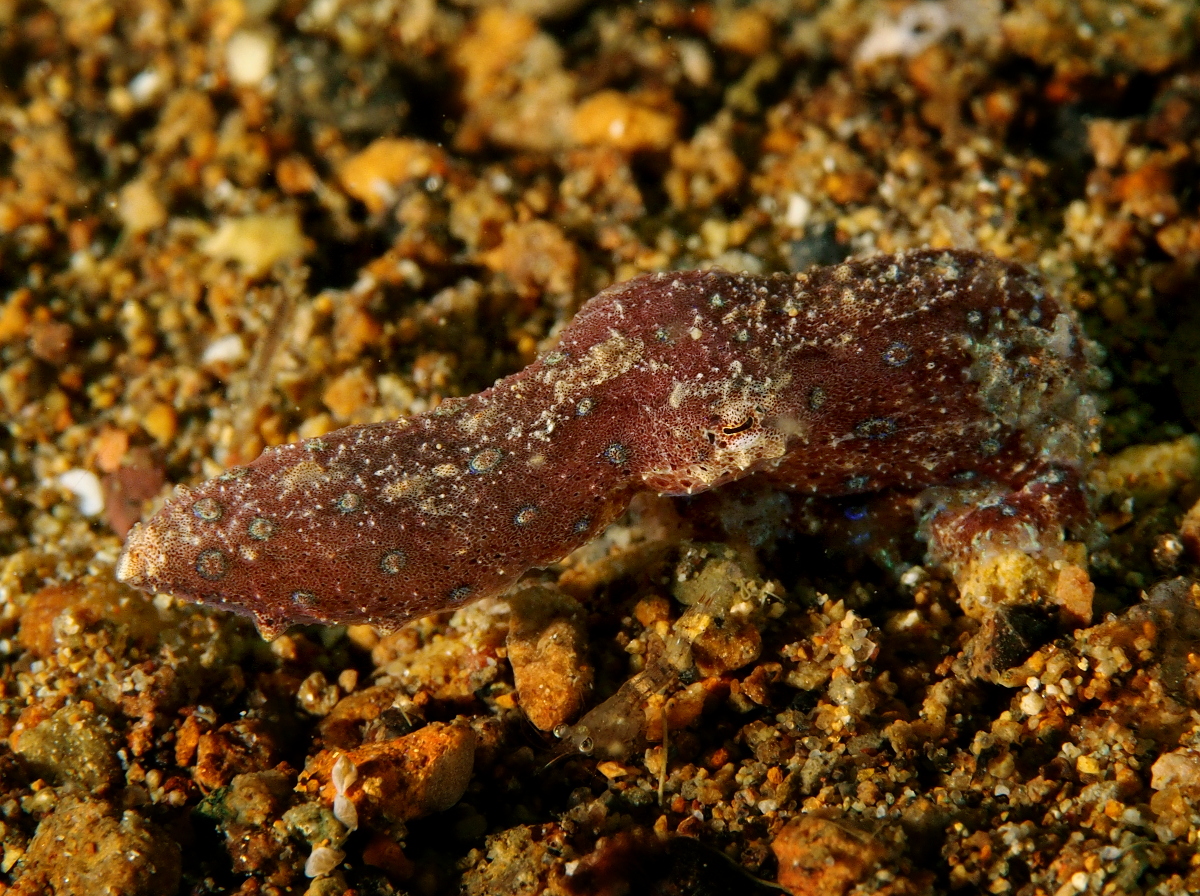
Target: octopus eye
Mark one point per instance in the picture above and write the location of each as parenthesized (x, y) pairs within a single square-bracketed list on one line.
[(741, 427)]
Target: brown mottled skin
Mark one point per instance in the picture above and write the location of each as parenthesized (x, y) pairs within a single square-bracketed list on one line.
[(947, 373)]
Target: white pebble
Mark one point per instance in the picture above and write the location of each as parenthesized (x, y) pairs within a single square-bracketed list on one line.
[(248, 57), (1032, 704), (798, 210), (345, 811), (695, 62), (228, 349), (323, 860), (85, 486), (344, 774), (1181, 768), (145, 86), (913, 576), (917, 27)]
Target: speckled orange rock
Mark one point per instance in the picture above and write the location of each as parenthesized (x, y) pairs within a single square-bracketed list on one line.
[(56, 613), (530, 110), (373, 175), (400, 779), (536, 257), (547, 647), (76, 744), (824, 856), (611, 118), (342, 727), (91, 848)]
